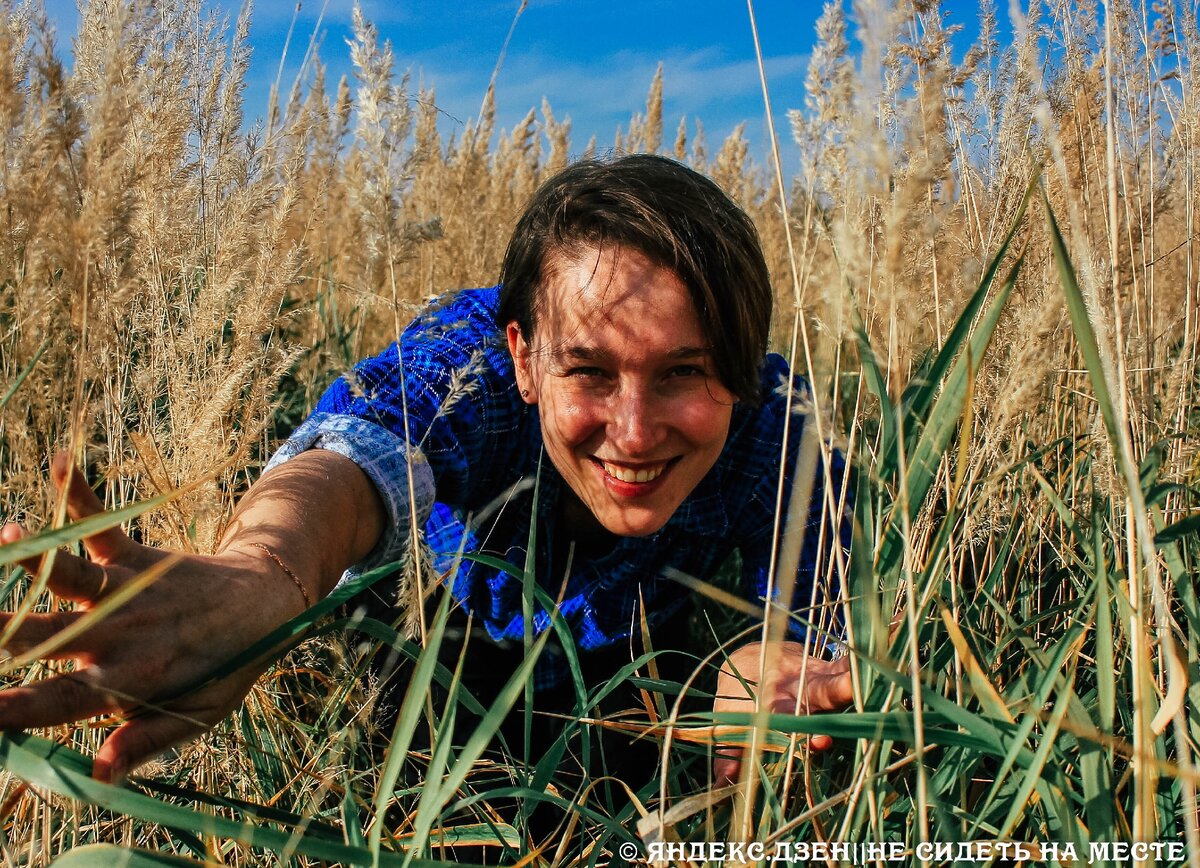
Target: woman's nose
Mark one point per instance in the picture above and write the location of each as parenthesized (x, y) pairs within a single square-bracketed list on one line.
[(636, 428)]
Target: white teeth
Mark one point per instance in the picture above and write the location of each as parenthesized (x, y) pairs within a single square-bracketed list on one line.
[(626, 474)]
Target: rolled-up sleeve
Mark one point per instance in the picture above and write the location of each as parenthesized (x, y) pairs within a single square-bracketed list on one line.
[(432, 417), (386, 461)]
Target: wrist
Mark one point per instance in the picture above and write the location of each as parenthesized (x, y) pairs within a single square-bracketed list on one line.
[(271, 565), (291, 574)]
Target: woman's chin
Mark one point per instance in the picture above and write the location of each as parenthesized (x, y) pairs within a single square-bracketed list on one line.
[(639, 521)]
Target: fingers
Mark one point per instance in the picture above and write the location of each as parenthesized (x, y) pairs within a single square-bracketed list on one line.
[(82, 502), (74, 578), (140, 740), (727, 765), (64, 698), (796, 684), (831, 691), (820, 742), (40, 627), (71, 577), (10, 533)]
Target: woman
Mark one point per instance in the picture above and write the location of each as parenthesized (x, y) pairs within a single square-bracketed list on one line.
[(626, 344)]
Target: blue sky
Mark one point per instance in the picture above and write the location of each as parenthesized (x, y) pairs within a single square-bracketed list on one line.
[(592, 59)]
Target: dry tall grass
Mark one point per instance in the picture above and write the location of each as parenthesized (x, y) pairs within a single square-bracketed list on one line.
[(176, 291)]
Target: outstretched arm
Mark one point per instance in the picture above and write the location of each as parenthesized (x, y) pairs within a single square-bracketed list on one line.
[(317, 514)]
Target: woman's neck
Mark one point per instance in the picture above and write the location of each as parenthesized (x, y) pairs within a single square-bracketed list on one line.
[(577, 524)]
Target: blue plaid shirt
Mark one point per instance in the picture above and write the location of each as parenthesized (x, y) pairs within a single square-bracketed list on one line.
[(475, 451)]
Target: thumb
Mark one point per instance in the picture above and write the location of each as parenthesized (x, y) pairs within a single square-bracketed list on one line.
[(11, 533), (830, 688), (83, 502), (139, 741)]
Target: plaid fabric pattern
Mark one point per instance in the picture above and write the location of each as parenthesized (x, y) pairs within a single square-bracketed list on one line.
[(476, 450)]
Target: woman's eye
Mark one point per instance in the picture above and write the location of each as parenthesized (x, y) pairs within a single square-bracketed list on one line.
[(585, 372)]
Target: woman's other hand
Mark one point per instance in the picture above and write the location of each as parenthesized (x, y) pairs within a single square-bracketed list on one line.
[(791, 668)]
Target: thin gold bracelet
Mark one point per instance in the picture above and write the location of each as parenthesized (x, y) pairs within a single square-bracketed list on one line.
[(299, 584)]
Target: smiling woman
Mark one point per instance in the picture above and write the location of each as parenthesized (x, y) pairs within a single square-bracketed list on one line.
[(625, 345)]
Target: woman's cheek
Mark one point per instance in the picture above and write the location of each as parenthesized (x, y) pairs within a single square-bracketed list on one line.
[(575, 420), (701, 421)]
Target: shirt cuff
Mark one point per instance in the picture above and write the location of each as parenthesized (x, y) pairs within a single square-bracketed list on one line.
[(384, 458)]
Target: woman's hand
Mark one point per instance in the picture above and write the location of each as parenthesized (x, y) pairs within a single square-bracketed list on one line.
[(795, 682), (198, 614)]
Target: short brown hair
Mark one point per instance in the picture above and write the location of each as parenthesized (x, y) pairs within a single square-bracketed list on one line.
[(675, 216)]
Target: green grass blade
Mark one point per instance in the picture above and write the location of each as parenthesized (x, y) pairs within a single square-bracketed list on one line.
[(877, 385), (1024, 727), (264, 755), (482, 735), (442, 746), (351, 821), (919, 395), (236, 807), (1096, 761), (293, 631), (1085, 335), (495, 562), (1105, 635), (995, 732), (40, 543), (548, 765), (45, 764), (611, 825), (1033, 772), (1177, 531), (25, 372), (938, 431), (1065, 516), (897, 726), (389, 636), (407, 718), (10, 583), (866, 615), (528, 583), (476, 834), (112, 856)]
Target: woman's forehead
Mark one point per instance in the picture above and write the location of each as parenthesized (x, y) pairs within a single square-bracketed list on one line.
[(589, 281), (618, 305), (605, 277)]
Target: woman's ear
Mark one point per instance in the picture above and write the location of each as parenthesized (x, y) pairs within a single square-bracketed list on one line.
[(521, 356)]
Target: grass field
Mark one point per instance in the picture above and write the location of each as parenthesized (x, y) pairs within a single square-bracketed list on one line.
[(988, 268)]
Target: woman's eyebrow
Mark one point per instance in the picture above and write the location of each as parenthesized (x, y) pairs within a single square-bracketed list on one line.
[(578, 351), (581, 352)]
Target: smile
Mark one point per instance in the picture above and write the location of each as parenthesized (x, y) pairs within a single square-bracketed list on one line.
[(628, 474), (644, 474)]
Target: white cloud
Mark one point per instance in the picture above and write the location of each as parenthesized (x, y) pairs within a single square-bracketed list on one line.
[(603, 92)]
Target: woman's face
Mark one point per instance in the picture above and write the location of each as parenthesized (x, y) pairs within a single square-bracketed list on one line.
[(633, 415)]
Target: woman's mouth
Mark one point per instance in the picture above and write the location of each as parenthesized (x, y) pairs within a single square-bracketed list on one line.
[(633, 481), (630, 474)]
